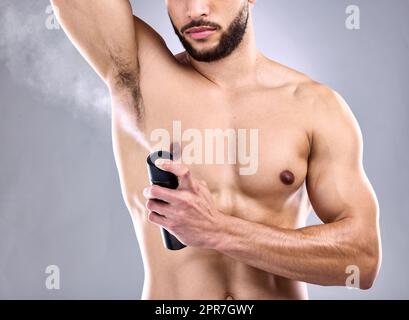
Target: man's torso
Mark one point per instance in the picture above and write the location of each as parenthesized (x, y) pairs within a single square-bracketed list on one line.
[(269, 196)]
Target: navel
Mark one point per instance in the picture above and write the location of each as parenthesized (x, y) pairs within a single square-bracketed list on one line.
[(287, 177)]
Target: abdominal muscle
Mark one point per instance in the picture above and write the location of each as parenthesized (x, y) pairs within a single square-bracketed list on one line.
[(203, 274)]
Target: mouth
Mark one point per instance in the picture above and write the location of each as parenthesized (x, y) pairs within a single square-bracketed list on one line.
[(200, 32)]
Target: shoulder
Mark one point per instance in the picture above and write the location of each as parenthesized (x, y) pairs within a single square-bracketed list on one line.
[(325, 113), (319, 104), (307, 91), (320, 98), (334, 128), (321, 110), (324, 108)]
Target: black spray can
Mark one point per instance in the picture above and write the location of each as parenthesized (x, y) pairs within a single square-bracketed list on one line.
[(167, 180)]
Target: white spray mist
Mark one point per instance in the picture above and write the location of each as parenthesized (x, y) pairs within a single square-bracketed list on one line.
[(44, 60)]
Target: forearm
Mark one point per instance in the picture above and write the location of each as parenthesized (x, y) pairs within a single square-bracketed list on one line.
[(315, 254)]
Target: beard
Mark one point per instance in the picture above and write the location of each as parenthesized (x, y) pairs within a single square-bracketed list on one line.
[(229, 40)]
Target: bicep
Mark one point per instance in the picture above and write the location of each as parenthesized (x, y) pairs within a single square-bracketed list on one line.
[(100, 30), (337, 184), (117, 44)]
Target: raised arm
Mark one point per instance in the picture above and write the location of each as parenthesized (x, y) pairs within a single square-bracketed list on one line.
[(129, 55), (102, 30), (117, 44)]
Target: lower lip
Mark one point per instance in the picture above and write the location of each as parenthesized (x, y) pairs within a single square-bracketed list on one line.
[(201, 34)]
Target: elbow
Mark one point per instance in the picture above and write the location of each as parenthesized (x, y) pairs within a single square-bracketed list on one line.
[(365, 258), (370, 253), (372, 263), (370, 274), (368, 279)]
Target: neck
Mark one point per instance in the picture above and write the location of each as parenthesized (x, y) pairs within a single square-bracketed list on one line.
[(238, 69)]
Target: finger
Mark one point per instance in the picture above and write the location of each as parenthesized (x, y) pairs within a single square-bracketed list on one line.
[(162, 208), (178, 169), (157, 219), (161, 193)]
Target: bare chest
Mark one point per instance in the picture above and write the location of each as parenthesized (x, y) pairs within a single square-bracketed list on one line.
[(248, 148)]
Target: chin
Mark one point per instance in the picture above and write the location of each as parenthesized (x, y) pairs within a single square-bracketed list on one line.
[(204, 46)]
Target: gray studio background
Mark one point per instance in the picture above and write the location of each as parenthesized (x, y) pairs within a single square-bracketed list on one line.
[(60, 200)]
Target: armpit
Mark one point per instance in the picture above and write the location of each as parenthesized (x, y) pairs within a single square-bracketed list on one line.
[(126, 80)]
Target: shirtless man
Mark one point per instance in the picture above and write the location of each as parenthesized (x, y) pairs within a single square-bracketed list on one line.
[(246, 235)]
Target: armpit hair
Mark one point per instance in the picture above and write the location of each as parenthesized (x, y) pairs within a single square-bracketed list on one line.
[(126, 77)]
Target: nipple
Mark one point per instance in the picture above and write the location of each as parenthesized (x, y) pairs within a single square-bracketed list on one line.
[(287, 177)]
